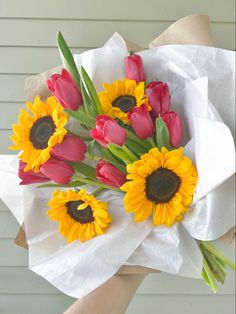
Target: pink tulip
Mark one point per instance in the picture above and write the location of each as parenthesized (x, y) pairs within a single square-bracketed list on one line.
[(64, 89), (57, 170), (108, 131), (134, 69), (158, 97), (175, 127), (30, 177), (109, 174), (141, 122), (72, 148)]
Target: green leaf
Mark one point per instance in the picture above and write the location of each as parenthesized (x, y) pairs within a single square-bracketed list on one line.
[(162, 134), (91, 146), (109, 157), (132, 136), (91, 90), (53, 185), (122, 152), (135, 147), (87, 101), (67, 58), (84, 169), (82, 118)]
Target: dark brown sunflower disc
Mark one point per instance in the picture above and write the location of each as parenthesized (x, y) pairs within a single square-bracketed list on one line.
[(41, 132), (162, 185), (83, 216), (124, 103)]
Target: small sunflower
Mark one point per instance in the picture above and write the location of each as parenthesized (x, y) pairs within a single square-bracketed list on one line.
[(161, 183), (80, 215), (38, 130), (120, 97)]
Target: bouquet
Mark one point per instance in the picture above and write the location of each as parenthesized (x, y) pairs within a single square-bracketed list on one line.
[(141, 164)]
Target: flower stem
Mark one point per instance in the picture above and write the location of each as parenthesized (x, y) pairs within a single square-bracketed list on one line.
[(214, 264), (134, 137), (211, 280), (151, 141), (96, 183), (211, 248), (98, 191)]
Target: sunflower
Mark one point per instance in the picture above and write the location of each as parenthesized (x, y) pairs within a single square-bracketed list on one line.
[(38, 130), (161, 183), (80, 215), (120, 97)]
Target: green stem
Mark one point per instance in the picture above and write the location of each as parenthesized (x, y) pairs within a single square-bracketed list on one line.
[(84, 138), (96, 158), (152, 142), (96, 183), (134, 137), (98, 191), (210, 276), (217, 269), (210, 247)]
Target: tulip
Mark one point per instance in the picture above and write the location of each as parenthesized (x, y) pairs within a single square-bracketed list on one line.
[(30, 177), (175, 127), (109, 174), (134, 69), (57, 170), (72, 148), (108, 131), (64, 89), (158, 97), (141, 122)]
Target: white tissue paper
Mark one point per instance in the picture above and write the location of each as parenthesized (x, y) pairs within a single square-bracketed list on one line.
[(201, 81)]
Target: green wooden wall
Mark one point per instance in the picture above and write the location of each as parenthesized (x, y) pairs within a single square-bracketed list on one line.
[(28, 31)]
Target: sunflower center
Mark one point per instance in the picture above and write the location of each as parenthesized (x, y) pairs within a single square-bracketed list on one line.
[(162, 185), (41, 132), (124, 103), (83, 216)]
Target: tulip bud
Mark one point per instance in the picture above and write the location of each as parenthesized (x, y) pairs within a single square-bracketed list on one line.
[(141, 122), (57, 170), (65, 90), (158, 98), (174, 125), (109, 174), (108, 131), (30, 177), (134, 69), (72, 148)]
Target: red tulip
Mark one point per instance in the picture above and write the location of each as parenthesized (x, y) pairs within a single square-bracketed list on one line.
[(175, 127), (109, 174), (108, 131), (30, 177), (141, 122), (57, 170), (158, 97), (134, 69), (64, 89), (72, 148)]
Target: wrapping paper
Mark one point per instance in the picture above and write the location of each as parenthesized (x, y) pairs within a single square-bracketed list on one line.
[(196, 84)]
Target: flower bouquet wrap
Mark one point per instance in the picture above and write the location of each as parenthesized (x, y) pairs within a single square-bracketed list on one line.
[(127, 160)]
